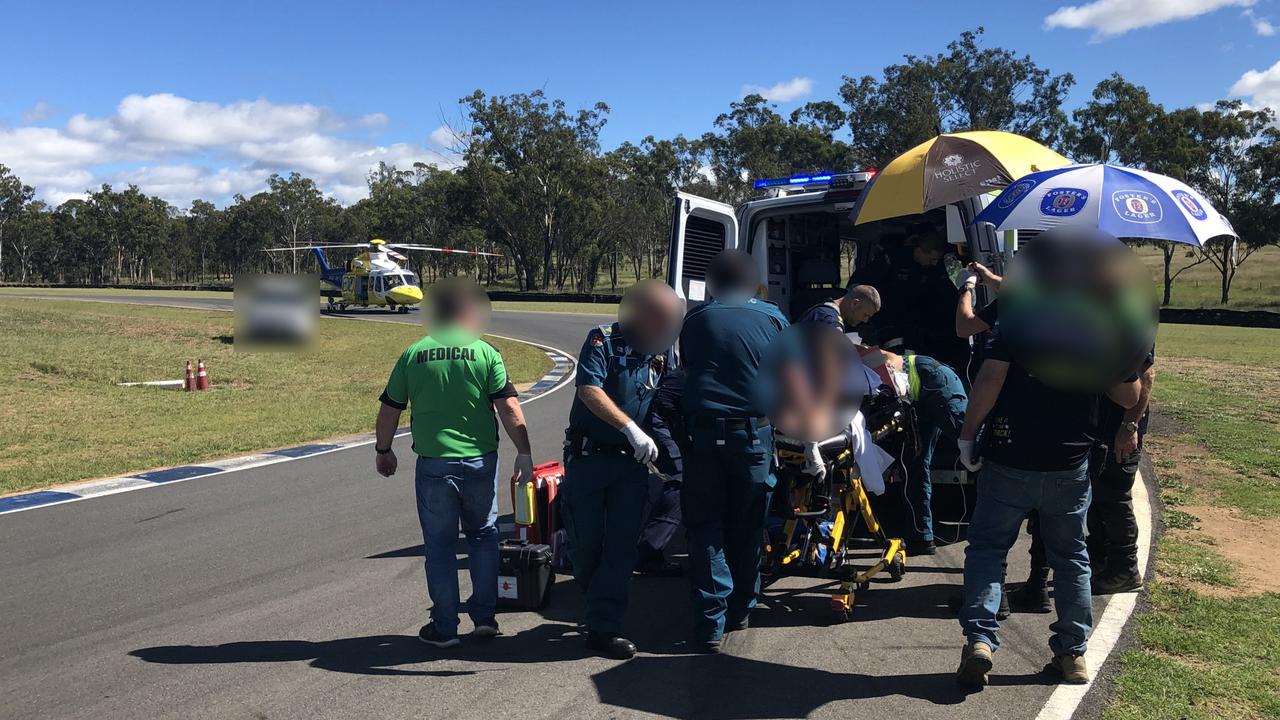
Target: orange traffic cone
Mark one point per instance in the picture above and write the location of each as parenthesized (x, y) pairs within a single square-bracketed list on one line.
[(202, 377), (190, 383)]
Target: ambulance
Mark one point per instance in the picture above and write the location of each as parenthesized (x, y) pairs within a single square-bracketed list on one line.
[(800, 230)]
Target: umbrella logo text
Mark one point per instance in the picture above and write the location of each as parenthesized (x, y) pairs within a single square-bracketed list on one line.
[(1192, 206), (1137, 206), (1015, 193), (1063, 202)]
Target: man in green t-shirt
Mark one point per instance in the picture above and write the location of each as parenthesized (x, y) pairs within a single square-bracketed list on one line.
[(456, 387)]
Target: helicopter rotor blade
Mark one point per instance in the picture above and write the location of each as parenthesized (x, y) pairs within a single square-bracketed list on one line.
[(455, 251), (314, 247)]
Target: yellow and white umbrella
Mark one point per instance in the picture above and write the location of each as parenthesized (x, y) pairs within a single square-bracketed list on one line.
[(952, 167)]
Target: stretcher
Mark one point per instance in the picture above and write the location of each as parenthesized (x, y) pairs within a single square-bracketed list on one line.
[(812, 527)]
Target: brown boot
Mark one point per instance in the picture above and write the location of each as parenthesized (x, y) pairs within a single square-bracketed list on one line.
[(975, 663), (1073, 669)]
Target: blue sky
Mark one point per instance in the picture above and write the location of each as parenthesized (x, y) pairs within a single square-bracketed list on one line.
[(207, 102)]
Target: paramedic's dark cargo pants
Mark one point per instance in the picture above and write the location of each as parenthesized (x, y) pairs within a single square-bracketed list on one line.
[(727, 482), (603, 500)]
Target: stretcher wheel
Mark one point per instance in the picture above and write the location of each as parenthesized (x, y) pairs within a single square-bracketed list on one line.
[(897, 568), (840, 617)]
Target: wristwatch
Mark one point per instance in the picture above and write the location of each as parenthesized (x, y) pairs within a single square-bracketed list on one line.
[(380, 451), (1130, 425)]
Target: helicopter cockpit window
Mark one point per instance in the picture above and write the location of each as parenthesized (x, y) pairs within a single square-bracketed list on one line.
[(410, 278), (394, 281), (379, 284)]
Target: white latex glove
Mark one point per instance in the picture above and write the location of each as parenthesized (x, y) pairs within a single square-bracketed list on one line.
[(813, 463), (967, 279), (969, 455), (523, 468), (646, 449)]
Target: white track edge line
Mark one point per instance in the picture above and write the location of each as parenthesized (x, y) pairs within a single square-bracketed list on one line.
[(1066, 699)]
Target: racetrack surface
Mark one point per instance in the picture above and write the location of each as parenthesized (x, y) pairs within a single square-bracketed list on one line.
[(296, 590)]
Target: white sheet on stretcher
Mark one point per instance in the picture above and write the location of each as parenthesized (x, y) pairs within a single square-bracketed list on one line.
[(872, 460)]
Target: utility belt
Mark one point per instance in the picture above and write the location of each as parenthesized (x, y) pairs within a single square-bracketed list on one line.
[(576, 445), (721, 426)]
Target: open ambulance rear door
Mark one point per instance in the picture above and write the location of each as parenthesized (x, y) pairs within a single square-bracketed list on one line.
[(700, 228)]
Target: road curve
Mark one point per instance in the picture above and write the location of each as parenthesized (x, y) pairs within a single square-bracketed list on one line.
[(295, 590)]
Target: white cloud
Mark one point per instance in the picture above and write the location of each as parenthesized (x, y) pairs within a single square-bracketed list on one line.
[(442, 137), (792, 89), (182, 149), (1261, 25), (1108, 18), (1262, 87), (40, 111)]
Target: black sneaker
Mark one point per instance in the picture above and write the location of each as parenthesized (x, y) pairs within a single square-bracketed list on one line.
[(1116, 582), (659, 568), (916, 548), (1003, 611), (611, 645), (431, 636), (1031, 597), (486, 629)]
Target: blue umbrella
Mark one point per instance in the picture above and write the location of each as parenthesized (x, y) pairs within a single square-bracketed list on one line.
[(1121, 201)]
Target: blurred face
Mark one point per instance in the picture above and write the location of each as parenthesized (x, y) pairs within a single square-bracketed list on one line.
[(926, 258), (651, 315)]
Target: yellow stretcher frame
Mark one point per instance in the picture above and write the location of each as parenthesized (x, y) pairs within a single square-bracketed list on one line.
[(852, 498)]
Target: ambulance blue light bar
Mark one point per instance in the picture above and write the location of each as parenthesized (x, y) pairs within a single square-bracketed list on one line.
[(818, 179)]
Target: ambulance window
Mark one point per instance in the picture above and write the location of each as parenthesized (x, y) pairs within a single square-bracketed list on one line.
[(703, 238)]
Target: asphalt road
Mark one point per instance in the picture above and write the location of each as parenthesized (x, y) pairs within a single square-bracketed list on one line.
[(296, 590)]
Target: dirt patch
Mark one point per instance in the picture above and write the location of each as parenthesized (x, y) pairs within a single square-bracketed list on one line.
[(1251, 544)]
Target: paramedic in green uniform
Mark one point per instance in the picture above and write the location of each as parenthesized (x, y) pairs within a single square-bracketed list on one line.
[(607, 455), (454, 383), (727, 473)]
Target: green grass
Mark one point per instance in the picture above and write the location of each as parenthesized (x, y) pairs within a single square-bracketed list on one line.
[(1256, 285), (1202, 658), (1222, 383), (1195, 561), (65, 418)]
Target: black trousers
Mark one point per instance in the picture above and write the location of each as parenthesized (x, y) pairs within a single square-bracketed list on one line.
[(1113, 527), (662, 519)]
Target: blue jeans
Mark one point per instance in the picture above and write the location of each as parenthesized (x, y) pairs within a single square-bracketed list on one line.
[(940, 413), (1005, 496), (452, 491)]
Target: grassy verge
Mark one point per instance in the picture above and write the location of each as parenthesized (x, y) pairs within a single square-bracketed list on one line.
[(66, 419), (1208, 646)]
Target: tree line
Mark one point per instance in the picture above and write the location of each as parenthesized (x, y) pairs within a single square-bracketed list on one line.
[(533, 184)]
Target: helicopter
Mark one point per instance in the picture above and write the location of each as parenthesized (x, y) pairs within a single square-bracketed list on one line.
[(372, 278)]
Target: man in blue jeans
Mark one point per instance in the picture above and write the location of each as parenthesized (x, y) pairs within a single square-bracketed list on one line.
[(456, 383), (1038, 441)]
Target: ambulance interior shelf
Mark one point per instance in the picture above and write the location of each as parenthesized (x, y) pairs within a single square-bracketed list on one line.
[(804, 263)]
